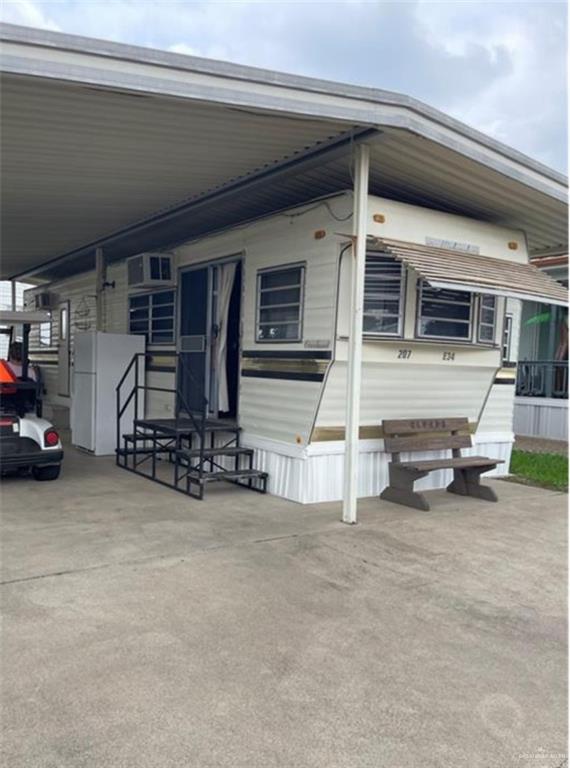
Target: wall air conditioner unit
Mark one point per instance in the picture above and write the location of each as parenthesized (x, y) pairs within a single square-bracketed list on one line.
[(44, 300), (150, 270)]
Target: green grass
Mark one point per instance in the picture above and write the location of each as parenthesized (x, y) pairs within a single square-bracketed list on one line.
[(548, 470)]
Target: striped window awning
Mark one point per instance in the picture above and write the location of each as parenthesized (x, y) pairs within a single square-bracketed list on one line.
[(461, 271)]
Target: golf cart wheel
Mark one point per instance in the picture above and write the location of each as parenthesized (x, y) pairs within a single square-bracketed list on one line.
[(46, 473)]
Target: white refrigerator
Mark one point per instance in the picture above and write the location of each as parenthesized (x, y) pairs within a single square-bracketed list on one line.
[(100, 360)]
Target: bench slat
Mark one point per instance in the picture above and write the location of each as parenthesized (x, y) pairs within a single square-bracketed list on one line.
[(415, 426), (426, 443), (452, 463)]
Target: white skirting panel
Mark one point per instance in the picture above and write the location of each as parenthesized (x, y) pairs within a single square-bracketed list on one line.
[(315, 473), (541, 417)]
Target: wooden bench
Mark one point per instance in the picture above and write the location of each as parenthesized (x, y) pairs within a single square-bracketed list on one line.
[(405, 435)]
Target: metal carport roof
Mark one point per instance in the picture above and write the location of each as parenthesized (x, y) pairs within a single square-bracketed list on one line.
[(131, 148)]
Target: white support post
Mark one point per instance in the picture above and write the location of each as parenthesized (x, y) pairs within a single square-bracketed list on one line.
[(354, 364), (99, 287)]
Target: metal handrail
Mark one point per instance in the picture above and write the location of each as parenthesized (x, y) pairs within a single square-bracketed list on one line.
[(542, 378), (127, 370), (181, 404), (118, 411), (127, 401), (181, 367)]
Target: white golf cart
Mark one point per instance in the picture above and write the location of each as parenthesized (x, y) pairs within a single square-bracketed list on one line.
[(28, 442)]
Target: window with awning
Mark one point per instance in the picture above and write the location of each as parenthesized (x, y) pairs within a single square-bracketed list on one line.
[(454, 270)]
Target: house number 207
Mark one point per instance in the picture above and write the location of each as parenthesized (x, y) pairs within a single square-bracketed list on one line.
[(404, 354)]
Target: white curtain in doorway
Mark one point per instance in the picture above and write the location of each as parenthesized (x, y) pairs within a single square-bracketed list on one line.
[(226, 283)]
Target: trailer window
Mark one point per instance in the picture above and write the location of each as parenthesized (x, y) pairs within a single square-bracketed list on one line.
[(152, 315), (280, 304), (383, 295), (487, 319), (63, 323), (444, 313), (506, 355), (45, 334)]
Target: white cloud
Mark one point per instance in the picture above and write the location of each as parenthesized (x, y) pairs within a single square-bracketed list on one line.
[(524, 105), (26, 13), (186, 50)]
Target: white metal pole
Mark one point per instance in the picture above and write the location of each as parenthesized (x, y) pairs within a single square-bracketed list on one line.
[(354, 363)]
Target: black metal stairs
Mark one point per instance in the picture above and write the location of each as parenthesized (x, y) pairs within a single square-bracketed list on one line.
[(186, 452)]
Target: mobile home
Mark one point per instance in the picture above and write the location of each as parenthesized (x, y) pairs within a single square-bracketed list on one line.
[(203, 207), (260, 312)]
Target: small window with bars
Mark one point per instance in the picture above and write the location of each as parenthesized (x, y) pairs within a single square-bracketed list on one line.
[(487, 319), (444, 313), (383, 295), (152, 315), (280, 304)]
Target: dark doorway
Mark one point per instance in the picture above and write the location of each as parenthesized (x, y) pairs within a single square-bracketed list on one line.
[(233, 346), (199, 341), (194, 342)]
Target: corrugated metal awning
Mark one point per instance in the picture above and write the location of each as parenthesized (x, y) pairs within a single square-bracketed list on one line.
[(132, 149), (461, 271)]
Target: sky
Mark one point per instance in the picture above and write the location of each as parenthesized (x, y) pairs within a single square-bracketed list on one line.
[(498, 66)]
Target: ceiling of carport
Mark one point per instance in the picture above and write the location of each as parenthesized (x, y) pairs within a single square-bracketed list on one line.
[(401, 168), (81, 163)]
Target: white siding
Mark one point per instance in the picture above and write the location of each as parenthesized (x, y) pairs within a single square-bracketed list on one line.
[(281, 240), (279, 409), (541, 417), (115, 300), (79, 290), (497, 415), (400, 391), (414, 224), (159, 405)]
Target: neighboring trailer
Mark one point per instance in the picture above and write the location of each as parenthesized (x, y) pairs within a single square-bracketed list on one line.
[(276, 294)]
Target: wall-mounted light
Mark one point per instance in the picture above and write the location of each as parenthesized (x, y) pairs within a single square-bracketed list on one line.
[(513, 245), (379, 218), (319, 234)]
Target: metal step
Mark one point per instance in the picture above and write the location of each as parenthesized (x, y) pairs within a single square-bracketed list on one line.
[(190, 454), (139, 437), (141, 451), (194, 453), (232, 474), (185, 426)]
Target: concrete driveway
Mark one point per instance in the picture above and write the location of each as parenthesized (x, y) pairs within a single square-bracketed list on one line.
[(145, 629)]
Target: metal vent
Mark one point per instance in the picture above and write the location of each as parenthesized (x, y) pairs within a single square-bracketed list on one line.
[(44, 300), (192, 344)]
